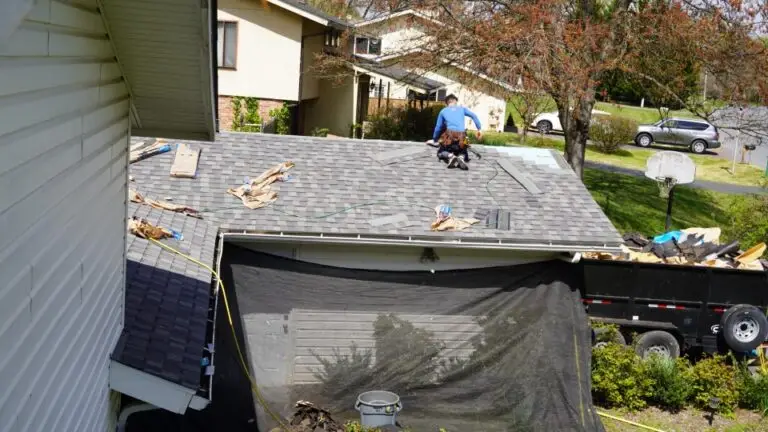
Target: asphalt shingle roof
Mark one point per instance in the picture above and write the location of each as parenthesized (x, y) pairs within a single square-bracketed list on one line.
[(167, 299), (339, 188)]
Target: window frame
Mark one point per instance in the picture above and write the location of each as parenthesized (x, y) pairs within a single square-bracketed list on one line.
[(367, 45), (223, 65), (332, 38)]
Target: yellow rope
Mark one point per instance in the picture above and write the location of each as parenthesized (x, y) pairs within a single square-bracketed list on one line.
[(642, 426), (243, 364)]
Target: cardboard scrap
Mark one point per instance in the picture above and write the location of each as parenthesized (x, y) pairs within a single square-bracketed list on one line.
[(257, 193), (145, 230), (709, 235), (163, 205), (445, 222), (185, 162), (751, 255)]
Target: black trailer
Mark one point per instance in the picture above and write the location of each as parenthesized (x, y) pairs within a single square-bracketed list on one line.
[(674, 308)]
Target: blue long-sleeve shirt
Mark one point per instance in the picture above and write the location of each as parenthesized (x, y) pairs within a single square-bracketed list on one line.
[(452, 118)]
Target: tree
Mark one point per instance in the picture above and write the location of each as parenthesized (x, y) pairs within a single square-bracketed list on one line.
[(565, 48), (528, 104)]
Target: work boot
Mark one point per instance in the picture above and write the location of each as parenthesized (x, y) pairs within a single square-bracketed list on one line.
[(453, 161), (461, 163)]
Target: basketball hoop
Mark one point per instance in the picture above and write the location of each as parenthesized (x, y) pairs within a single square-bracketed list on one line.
[(665, 186)]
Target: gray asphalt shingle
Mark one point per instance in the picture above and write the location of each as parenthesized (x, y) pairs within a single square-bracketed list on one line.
[(338, 187), (167, 299)]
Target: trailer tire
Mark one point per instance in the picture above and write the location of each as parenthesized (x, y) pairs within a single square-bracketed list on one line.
[(744, 328), (604, 335), (659, 342)]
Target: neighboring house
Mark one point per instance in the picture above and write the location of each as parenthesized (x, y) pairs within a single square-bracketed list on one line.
[(361, 205), (389, 39), (77, 77)]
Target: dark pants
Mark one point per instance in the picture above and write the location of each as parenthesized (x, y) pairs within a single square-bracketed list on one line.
[(450, 145)]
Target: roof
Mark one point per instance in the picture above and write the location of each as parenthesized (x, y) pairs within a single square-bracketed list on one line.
[(344, 187), (164, 50), (399, 73), (167, 300), (301, 8), (397, 14)]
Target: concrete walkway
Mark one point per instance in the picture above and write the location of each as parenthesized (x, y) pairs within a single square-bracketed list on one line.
[(701, 184)]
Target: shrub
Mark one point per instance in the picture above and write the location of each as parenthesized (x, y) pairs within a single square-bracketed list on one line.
[(749, 223), (671, 382), (282, 119), (404, 124), (248, 121), (619, 378), (713, 377), (753, 390), (320, 132), (609, 134)]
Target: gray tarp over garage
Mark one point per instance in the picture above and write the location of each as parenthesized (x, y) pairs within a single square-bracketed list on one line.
[(495, 349)]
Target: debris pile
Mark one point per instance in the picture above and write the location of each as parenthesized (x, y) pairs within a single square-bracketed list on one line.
[(142, 228), (309, 418), (692, 246), (445, 222), (257, 193), (163, 205)]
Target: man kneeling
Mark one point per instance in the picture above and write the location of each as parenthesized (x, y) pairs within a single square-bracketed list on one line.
[(451, 133)]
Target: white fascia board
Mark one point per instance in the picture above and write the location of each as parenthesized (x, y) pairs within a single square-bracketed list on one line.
[(153, 390), (300, 12)]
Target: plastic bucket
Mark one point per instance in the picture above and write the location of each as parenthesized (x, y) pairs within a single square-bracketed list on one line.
[(378, 408)]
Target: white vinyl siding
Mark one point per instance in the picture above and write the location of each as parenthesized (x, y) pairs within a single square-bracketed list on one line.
[(64, 134)]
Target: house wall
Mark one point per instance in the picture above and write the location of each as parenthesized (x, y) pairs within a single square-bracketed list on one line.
[(398, 35), (334, 108), (64, 134), (227, 113), (314, 40), (268, 51)]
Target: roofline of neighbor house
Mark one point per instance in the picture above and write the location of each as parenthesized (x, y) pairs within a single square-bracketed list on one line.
[(396, 15), (363, 69), (415, 241), (307, 14)]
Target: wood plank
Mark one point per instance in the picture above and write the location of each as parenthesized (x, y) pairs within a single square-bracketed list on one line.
[(185, 162)]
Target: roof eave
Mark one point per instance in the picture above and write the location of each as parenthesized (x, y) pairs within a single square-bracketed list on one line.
[(419, 241)]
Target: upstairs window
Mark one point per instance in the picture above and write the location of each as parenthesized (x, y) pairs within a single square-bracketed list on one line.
[(438, 95), (365, 45), (226, 45)]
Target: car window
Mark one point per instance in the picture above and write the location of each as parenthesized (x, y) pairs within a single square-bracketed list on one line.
[(670, 124), (691, 125)]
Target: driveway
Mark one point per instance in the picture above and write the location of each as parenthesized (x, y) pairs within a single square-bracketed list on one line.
[(754, 124)]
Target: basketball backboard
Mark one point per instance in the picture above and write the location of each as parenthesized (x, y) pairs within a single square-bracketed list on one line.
[(670, 164)]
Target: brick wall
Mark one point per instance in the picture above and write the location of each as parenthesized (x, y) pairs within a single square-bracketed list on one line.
[(226, 115)]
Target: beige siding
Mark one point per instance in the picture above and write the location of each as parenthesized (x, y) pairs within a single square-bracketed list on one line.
[(268, 51), (64, 127), (334, 109), (314, 41)]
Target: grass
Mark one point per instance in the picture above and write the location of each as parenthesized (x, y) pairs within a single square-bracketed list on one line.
[(709, 168), (639, 115), (686, 421), (633, 204)]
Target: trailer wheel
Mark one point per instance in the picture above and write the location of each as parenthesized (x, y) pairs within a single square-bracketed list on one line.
[(744, 328), (658, 342), (602, 336)]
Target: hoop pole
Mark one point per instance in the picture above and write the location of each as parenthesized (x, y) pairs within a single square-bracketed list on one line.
[(670, 198)]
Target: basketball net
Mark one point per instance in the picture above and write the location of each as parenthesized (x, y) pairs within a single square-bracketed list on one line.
[(665, 186)]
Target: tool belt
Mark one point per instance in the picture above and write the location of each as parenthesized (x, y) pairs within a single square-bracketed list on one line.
[(451, 137)]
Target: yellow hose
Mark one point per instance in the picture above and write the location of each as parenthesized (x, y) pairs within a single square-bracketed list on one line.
[(243, 364), (642, 426)]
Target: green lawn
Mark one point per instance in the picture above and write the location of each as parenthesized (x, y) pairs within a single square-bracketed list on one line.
[(639, 115), (633, 204), (708, 168)]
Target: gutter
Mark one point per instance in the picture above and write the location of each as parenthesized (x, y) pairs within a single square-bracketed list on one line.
[(219, 253), (416, 241)]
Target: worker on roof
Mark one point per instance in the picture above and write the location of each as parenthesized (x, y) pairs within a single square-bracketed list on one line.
[(451, 133)]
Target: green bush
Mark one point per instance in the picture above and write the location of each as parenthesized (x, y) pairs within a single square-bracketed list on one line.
[(282, 118), (404, 124), (320, 132), (711, 378), (619, 378), (609, 134), (248, 121), (749, 220), (753, 390), (671, 382)]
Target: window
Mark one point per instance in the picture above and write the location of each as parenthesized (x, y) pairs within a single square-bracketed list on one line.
[(671, 124), (227, 45), (364, 45), (332, 38), (692, 125), (438, 95)]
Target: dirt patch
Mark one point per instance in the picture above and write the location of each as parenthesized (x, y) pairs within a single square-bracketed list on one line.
[(686, 421)]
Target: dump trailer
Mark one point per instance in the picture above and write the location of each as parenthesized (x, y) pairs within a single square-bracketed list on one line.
[(669, 309)]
